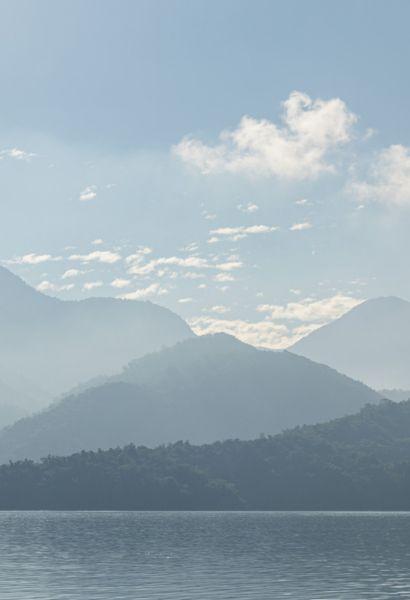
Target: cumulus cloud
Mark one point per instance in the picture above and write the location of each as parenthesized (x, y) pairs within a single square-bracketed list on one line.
[(301, 226), (388, 181), (185, 300), (17, 154), (101, 256), (235, 234), (48, 286), (71, 273), (152, 290), (120, 283), (248, 208), (88, 193), (311, 310), (299, 148), (33, 259), (97, 242), (92, 285), (260, 333), (219, 309), (189, 262)]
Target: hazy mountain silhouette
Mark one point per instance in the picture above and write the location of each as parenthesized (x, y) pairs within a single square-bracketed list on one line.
[(201, 390), (370, 343), (56, 344)]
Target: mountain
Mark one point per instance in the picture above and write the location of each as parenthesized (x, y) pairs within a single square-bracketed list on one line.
[(359, 462), (203, 389), (57, 344), (370, 343)]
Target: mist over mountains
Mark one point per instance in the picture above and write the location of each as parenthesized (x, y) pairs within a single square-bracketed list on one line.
[(202, 390), (370, 343), (47, 345)]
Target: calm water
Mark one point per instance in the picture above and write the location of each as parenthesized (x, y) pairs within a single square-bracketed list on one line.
[(206, 556)]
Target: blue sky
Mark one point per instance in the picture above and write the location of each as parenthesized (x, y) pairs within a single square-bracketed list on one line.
[(246, 164)]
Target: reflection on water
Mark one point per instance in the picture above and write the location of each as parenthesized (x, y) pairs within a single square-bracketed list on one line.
[(206, 556)]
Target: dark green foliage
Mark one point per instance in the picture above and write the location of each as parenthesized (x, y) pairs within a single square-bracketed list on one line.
[(360, 462)]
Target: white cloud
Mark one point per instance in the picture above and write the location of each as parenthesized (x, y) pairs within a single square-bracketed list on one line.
[(102, 256), (88, 193), (17, 154), (92, 285), (152, 290), (219, 309), (97, 242), (71, 273), (311, 310), (261, 333), (301, 226), (389, 179), (248, 208), (190, 262), (185, 300), (120, 283), (229, 265), (302, 202), (32, 259), (238, 233), (298, 149), (48, 286), (224, 277)]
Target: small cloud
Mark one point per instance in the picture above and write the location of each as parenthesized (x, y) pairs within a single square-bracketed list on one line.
[(120, 283), (48, 286), (248, 208), (72, 273), (301, 226), (92, 285), (302, 202), (33, 259), (185, 300), (17, 154), (88, 193), (97, 242), (102, 256), (223, 277), (237, 233), (152, 290), (219, 309)]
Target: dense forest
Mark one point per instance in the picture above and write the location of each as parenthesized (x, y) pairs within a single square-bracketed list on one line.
[(356, 462)]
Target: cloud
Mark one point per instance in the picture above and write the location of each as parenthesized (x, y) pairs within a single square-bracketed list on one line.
[(92, 285), (17, 154), (185, 300), (88, 193), (229, 265), (218, 309), (248, 208), (48, 286), (71, 273), (33, 259), (299, 148), (102, 256), (224, 277), (389, 179), (301, 226), (261, 333), (97, 242), (238, 233), (152, 290), (311, 310), (302, 202), (190, 262), (120, 283)]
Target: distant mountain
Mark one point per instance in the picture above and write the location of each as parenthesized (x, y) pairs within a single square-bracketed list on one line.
[(201, 390), (359, 462), (395, 395), (57, 344), (370, 343)]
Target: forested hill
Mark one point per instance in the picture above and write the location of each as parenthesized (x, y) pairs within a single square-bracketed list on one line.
[(360, 462)]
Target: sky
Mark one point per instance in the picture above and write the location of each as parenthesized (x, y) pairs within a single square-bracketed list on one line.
[(245, 164)]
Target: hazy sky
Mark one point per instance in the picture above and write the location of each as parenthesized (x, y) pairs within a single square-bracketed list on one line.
[(246, 164)]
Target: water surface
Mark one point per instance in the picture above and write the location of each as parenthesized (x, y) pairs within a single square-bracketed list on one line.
[(203, 556)]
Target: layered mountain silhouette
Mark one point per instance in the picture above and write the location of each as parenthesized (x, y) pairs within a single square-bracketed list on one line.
[(370, 343), (203, 389), (55, 344)]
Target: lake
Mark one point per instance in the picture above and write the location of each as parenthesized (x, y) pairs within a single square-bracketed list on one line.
[(204, 556)]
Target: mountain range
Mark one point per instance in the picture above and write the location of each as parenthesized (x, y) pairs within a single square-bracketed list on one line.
[(202, 389), (47, 345), (370, 343)]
